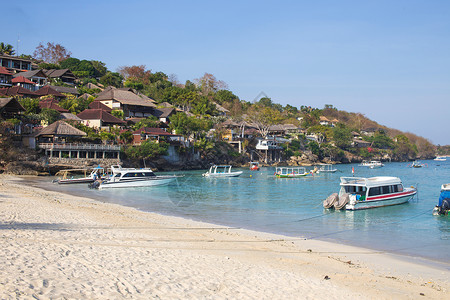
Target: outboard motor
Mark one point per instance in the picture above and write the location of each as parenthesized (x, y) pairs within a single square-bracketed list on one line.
[(94, 185), (443, 208)]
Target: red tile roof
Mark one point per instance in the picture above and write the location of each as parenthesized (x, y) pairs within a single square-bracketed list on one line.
[(52, 104), (152, 131), (17, 91), (4, 71), (99, 114), (46, 90), (99, 105), (22, 79)]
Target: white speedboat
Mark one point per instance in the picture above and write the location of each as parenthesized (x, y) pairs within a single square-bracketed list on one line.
[(221, 171), (326, 168), (373, 164), (131, 177), (362, 193), (441, 158)]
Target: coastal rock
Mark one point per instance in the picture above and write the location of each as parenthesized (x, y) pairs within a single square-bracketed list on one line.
[(23, 168)]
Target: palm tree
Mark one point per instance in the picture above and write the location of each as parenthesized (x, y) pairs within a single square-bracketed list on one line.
[(6, 49)]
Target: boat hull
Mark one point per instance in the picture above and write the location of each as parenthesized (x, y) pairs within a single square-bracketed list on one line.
[(291, 175), (136, 183), (327, 171), (220, 175), (76, 180), (386, 200)]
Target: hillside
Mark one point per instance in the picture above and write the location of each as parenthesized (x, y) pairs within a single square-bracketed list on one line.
[(206, 113)]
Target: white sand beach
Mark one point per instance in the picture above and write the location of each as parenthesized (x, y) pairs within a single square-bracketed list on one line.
[(59, 246)]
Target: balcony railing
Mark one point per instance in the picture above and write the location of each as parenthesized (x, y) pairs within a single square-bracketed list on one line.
[(82, 147)]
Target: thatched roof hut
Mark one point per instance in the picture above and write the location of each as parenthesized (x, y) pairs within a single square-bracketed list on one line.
[(61, 129)]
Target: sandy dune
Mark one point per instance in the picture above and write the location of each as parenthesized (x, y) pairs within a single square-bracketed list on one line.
[(59, 246)]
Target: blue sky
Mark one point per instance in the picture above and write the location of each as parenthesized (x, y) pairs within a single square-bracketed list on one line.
[(389, 60)]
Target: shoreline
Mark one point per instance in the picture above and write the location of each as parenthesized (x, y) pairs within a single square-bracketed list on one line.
[(405, 256), (194, 259)]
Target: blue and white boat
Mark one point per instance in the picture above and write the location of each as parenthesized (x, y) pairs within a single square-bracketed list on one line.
[(444, 201)]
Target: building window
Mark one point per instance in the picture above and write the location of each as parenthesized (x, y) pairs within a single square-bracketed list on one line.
[(16, 64)]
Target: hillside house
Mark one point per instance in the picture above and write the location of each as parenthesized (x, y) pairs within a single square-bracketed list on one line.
[(52, 104), (99, 105), (10, 108), (64, 75), (48, 91), (17, 91), (164, 113), (222, 110), (62, 141), (24, 82), (36, 76), (360, 143), (15, 64), (65, 90), (269, 149), (324, 121), (130, 103), (369, 131), (5, 77), (99, 119), (154, 134)]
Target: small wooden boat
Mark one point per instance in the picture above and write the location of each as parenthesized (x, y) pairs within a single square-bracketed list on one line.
[(69, 176), (326, 168), (417, 164), (254, 166), (291, 172)]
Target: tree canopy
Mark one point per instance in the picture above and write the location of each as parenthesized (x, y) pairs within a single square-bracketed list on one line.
[(51, 53)]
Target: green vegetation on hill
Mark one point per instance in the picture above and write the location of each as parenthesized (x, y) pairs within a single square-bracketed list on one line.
[(204, 100)]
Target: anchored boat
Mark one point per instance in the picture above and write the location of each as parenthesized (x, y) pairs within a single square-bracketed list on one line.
[(373, 164), (444, 201), (221, 171), (254, 166), (417, 164), (69, 176), (326, 168), (441, 158), (131, 177), (291, 172), (362, 193)]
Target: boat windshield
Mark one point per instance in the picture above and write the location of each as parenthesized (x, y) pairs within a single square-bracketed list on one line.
[(355, 189), (139, 174)]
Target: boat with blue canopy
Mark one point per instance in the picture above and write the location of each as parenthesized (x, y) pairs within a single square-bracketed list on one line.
[(444, 201)]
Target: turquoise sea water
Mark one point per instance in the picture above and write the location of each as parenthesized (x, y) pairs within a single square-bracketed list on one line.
[(293, 207)]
